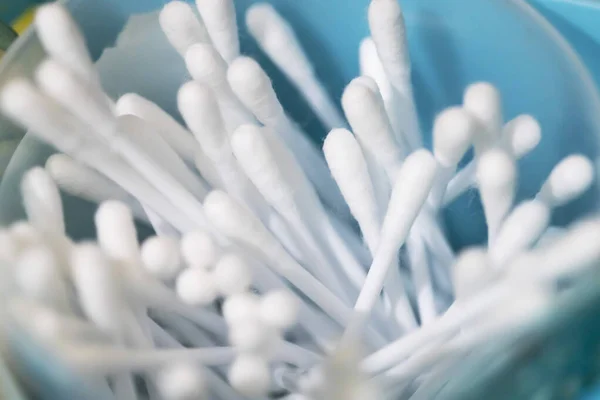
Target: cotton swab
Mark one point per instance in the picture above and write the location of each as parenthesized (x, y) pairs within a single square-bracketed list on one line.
[(413, 184), (181, 26), (182, 382), (199, 250), (206, 66), (62, 39), (116, 233), (240, 307), (285, 195), (496, 175), (252, 85), (371, 66), (221, 24), (277, 39), (570, 254), (365, 111), (278, 309), (483, 101), (82, 181), (160, 256), (42, 201), (389, 34), (519, 136), (521, 229), (39, 276), (232, 275), (349, 169), (453, 132), (568, 180), (196, 286), (250, 375)]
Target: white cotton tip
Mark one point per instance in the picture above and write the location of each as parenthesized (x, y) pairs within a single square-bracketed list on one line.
[(196, 286), (63, 41), (116, 232), (496, 175), (568, 180), (181, 382), (368, 118), (199, 250), (206, 65), (453, 133), (253, 87), (279, 309), (22, 101), (221, 24), (250, 375), (44, 320), (471, 272), (200, 110), (86, 101), (9, 247), (483, 101), (161, 257), (181, 26), (241, 307), (349, 168), (171, 131), (232, 275), (251, 148), (277, 39), (522, 135), (98, 287), (520, 230), (25, 236), (42, 201), (38, 276), (496, 169), (253, 336), (371, 66), (411, 188), (389, 34)]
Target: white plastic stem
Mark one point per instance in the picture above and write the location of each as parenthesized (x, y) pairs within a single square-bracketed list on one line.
[(413, 184)]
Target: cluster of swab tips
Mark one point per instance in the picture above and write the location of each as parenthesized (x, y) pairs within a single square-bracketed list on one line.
[(271, 259)]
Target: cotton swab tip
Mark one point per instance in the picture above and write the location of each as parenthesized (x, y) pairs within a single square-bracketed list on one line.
[(221, 24), (496, 169), (241, 307), (522, 135), (181, 382), (250, 375), (196, 286), (205, 64), (232, 275), (160, 256), (569, 179), (453, 132), (116, 231), (483, 101), (279, 309), (199, 250), (181, 26)]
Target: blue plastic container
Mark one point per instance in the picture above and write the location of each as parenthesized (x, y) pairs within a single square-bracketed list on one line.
[(452, 44)]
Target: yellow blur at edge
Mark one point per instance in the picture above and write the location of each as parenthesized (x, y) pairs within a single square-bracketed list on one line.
[(21, 23)]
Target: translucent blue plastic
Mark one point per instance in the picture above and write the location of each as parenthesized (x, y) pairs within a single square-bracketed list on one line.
[(452, 43)]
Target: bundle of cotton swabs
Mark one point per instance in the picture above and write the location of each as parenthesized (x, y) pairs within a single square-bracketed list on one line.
[(272, 264)]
